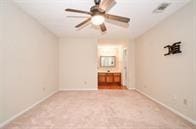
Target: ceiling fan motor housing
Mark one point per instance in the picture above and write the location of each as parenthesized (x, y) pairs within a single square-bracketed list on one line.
[(96, 10)]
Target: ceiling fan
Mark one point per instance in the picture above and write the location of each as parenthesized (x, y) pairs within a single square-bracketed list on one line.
[(98, 14)]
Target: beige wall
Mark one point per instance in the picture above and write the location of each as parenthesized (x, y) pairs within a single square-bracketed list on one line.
[(78, 64), (1, 61), (131, 64), (169, 79), (194, 57), (30, 61)]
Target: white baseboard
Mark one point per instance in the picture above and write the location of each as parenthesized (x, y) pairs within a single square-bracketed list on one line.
[(27, 109), (131, 88), (78, 89), (169, 108)]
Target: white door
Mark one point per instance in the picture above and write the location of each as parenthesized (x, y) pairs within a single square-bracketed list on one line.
[(124, 67)]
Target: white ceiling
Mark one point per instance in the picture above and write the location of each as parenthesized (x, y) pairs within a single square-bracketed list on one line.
[(51, 14)]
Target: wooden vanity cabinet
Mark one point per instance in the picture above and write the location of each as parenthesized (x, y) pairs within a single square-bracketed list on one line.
[(117, 78), (101, 78), (109, 79)]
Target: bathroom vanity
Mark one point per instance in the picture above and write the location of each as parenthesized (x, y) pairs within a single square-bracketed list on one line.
[(109, 78)]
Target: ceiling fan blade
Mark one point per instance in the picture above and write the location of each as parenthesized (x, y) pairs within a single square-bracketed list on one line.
[(107, 4), (117, 23), (82, 23), (78, 11), (117, 18), (103, 27)]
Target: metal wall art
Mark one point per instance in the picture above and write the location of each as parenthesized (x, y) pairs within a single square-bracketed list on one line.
[(173, 49)]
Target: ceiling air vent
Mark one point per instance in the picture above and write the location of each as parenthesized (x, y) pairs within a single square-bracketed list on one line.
[(161, 8)]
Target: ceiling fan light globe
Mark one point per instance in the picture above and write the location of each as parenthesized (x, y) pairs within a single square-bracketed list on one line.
[(97, 19)]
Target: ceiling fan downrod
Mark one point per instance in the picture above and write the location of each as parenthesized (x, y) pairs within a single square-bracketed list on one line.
[(97, 2)]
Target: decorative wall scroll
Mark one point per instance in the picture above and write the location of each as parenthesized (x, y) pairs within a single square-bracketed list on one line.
[(173, 49)]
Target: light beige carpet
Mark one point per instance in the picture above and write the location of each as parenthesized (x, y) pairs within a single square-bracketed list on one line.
[(103, 109)]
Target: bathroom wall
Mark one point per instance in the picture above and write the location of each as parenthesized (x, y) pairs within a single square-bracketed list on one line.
[(110, 51)]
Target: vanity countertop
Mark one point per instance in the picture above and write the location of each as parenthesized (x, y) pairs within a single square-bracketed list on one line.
[(109, 72)]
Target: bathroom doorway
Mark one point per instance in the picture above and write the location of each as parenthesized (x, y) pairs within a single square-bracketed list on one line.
[(112, 66)]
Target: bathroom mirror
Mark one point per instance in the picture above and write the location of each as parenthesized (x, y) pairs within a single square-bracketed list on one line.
[(107, 61)]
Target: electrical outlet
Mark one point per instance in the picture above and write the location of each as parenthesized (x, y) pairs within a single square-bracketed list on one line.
[(44, 89), (185, 102), (85, 82)]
